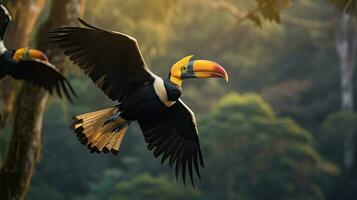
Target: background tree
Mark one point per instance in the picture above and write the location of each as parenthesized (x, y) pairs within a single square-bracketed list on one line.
[(16, 171), (331, 144), (346, 46), (261, 149), (24, 146), (25, 14)]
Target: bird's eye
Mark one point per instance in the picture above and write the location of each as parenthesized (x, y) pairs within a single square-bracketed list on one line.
[(184, 67)]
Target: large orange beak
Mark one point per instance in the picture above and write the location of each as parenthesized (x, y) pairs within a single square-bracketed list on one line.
[(204, 69)]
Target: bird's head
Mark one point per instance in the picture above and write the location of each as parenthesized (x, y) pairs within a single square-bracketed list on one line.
[(5, 19), (185, 68)]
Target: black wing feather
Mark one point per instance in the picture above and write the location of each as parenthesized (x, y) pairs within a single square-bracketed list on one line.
[(112, 60), (174, 134), (43, 74)]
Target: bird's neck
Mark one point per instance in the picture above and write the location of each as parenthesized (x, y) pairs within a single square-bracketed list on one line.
[(173, 91), (166, 91)]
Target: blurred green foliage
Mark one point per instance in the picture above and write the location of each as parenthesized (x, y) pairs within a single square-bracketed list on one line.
[(250, 149), (330, 143), (114, 186), (335, 127), (152, 25)]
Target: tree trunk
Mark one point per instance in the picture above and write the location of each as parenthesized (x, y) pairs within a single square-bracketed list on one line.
[(23, 152), (346, 45), (24, 14), (63, 13)]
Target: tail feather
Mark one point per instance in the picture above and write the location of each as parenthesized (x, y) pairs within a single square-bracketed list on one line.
[(119, 138), (93, 131)]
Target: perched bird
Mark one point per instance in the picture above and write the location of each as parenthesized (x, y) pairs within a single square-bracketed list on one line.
[(115, 64), (30, 65)]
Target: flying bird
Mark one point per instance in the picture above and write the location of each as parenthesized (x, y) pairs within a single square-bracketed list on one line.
[(115, 64), (30, 65)]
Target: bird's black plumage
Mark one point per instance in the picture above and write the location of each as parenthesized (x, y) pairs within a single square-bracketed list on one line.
[(37, 72), (112, 60), (114, 63), (177, 142), (43, 74), (31, 69)]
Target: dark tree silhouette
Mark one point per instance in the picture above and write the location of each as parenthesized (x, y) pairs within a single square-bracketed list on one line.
[(19, 30), (24, 147)]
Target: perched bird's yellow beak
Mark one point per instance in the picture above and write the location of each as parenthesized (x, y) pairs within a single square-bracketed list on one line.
[(185, 68)]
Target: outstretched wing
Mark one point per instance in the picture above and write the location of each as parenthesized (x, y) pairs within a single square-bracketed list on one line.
[(43, 74), (174, 134), (112, 60)]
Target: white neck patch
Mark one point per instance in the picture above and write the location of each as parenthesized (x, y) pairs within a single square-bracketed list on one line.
[(160, 91), (2, 47)]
